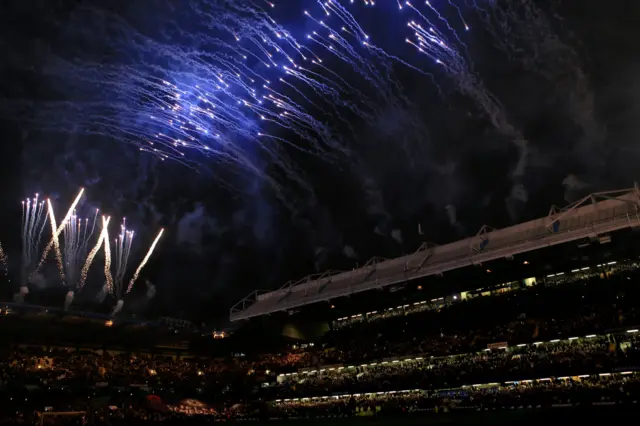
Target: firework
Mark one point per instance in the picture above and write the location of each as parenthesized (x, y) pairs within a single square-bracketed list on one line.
[(33, 224), (227, 83), (222, 106), (433, 36), (77, 234), (248, 91), (123, 245), (122, 250), (144, 261), (235, 77), (94, 251), (56, 231), (73, 257), (107, 258), (56, 242)]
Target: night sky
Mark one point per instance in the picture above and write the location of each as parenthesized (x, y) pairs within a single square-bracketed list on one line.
[(437, 159)]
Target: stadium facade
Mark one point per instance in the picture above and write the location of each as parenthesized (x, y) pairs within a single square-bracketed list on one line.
[(590, 219)]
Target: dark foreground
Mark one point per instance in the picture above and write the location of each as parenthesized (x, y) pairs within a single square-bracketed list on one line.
[(605, 414), (545, 417)]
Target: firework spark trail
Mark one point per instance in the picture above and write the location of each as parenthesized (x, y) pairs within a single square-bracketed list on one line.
[(93, 227), (122, 251), (54, 242), (94, 251), (329, 94), (144, 261), (33, 224), (446, 22), (107, 257), (76, 240), (350, 43), (375, 69), (335, 94), (393, 89)]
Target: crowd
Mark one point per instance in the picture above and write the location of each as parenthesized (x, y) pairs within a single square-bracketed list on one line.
[(36, 367), (589, 306), (570, 391), (597, 354), (570, 328)]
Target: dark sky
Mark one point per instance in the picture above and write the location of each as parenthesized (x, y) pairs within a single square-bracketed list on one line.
[(563, 72)]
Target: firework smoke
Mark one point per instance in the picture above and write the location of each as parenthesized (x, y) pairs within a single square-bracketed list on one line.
[(118, 307), (68, 299), (151, 290)]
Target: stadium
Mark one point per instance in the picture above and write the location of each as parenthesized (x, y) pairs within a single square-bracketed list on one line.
[(527, 322), (182, 160)]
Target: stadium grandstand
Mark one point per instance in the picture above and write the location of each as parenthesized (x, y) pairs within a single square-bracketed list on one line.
[(567, 347), (590, 220)]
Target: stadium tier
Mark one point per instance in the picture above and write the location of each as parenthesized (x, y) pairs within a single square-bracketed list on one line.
[(591, 217)]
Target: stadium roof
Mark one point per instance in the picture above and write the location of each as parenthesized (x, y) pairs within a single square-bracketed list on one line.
[(590, 217)]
